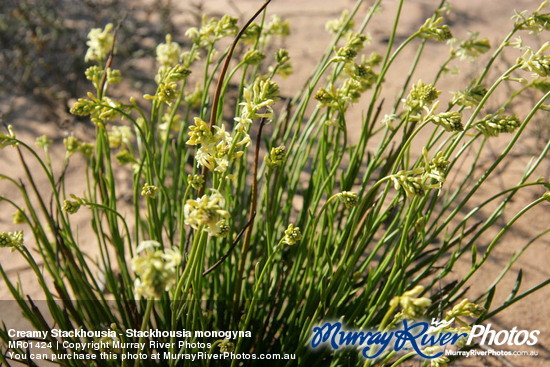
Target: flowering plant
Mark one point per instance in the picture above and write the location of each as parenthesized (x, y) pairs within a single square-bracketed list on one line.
[(214, 237)]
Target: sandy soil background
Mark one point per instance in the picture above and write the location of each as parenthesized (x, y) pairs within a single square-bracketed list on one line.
[(32, 115)]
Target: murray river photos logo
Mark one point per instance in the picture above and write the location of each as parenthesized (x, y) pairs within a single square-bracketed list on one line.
[(417, 336)]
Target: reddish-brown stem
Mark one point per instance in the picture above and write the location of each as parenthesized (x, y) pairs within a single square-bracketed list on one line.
[(109, 60), (248, 235), (216, 101)]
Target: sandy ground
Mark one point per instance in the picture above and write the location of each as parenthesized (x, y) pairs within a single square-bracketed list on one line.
[(308, 40)]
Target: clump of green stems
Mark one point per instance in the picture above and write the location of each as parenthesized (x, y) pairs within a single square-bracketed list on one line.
[(302, 227)]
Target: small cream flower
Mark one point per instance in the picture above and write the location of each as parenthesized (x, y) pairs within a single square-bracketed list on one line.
[(99, 43), (536, 62), (261, 94), (355, 43), (278, 27), (200, 133), (168, 53), (119, 135), (466, 308), (155, 268), (536, 22), (412, 307), (284, 65), (71, 145), (212, 30), (149, 191), (208, 212), (124, 157)]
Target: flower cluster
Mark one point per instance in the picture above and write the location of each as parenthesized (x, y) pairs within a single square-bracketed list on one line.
[(466, 308), (536, 62), (450, 121), (195, 181), (469, 97), (536, 22), (276, 157), (349, 199), (149, 191), (13, 240), (361, 78), (440, 361), (253, 34), (207, 212), (410, 182), (343, 24), (155, 268), (226, 346), (412, 307), (472, 47), (215, 151), (125, 157), (419, 180), (212, 30), (217, 148), (253, 57), (119, 135), (283, 66), (277, 27), (167, 79), (168, 54), (261, 94), (494, 124), (43, 142), (100, 43), (73, 145), (327, 97), (71, 206), (95, 74), (355, 43), (432, 30), (292, 235), (19, 217), (100, 111), (421, 95), (256, 33), (436, 167)]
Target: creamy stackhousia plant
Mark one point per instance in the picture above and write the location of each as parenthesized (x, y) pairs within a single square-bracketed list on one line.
[(268, 221)]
